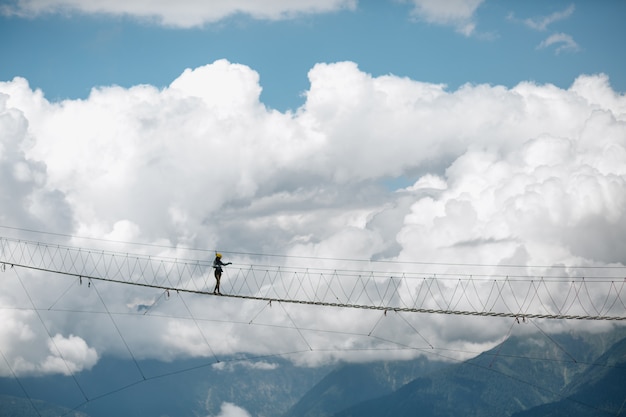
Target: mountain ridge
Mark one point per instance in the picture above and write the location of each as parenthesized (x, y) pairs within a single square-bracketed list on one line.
[(520, 374), (535, 375)]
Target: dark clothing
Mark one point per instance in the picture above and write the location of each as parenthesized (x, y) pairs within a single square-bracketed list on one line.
[(218, 264)]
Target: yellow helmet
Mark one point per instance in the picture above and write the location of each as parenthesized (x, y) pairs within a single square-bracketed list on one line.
[(218, 255)]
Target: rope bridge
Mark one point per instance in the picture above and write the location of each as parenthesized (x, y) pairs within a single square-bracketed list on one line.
[(519, 296)]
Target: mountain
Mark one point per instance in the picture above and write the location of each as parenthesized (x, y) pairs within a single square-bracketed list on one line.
[(22, 407), (351, 384), (539, 375), (193, 387), (599, 391), (520, 374)]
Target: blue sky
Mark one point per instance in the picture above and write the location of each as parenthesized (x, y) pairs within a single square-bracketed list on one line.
[(67, 53)]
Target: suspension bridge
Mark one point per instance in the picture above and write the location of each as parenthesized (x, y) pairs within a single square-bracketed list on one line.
[(599, 296)]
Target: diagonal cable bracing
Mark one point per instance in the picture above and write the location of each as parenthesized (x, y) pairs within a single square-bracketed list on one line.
[(358, 306), (199, 329), (52, 341), (28, 397), (119, 332), (383, 291)]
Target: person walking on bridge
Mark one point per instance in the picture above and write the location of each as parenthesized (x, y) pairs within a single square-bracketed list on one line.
[(218, 264)]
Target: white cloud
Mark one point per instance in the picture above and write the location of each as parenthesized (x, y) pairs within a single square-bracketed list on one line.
[(231, 410), (184, 13), (14, 329), (25, 197), (531, 175), (259, 365), (457, 13), (542, 22), (563, 42), (68, 355), (29, 350)]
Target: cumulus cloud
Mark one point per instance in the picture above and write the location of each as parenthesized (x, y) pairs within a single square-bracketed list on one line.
[(456, 13), (562, 41), (28, 350), (68, 355), (529, 175), (25, 196), (185, 14)]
